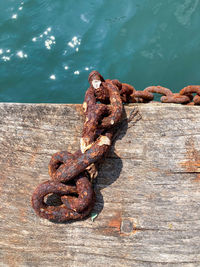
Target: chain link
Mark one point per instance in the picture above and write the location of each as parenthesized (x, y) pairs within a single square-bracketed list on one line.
[(72, 174)]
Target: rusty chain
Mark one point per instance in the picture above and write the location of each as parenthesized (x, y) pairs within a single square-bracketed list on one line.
[(72, 174)]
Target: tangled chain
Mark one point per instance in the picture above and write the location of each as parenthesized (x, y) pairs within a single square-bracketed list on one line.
[(72, 174)]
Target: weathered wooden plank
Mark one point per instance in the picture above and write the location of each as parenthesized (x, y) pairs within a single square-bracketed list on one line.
[(148, 189)]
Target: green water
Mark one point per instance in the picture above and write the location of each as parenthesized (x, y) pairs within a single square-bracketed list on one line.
[(48, 48)]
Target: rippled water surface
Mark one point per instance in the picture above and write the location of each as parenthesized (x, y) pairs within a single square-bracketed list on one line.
[(48, 48)]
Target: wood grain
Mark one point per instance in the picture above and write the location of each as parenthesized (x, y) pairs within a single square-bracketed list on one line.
[(148, 189)]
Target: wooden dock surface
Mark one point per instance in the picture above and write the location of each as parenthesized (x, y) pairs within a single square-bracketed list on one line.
[(148, 189)]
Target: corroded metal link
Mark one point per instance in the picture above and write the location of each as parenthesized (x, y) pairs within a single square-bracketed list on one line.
[(95, 79), (147, 94), (72, 207), (176, 98), (159, 90), (196, 100), (90, 129), (48, 212), (85, 195), (116, 106), (57, 160), (126, 91), (102, 95), (72, 174), (73, 167), (116, 82), (190, 90), (142, 96), (95, 75), (93, 113)]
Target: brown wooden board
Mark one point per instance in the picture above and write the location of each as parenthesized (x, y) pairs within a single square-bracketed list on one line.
[(148, 188)]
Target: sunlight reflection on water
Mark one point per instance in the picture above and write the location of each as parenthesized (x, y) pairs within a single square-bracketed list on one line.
[(47, 49)]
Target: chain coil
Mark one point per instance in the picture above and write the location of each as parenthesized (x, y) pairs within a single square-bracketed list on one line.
[(72, 174)]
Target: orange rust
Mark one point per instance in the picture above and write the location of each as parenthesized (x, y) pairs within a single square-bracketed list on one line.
[(192, 164), (102, 109), (197, 179), (112, 227), (134, 228), (115, 222)]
